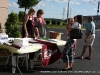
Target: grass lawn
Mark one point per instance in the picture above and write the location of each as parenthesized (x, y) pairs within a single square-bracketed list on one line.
[(58, 26), (50, 26), (55, 26)]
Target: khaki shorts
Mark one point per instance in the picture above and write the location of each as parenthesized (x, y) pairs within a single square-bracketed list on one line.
[(90, 40)]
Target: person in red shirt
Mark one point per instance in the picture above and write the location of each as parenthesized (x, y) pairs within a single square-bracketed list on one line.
[(41, 23)]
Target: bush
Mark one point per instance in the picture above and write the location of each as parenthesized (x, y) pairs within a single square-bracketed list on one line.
[(64, 24), (21, 16), (58, 23), (54, 23), (12, 28), (48, 22)]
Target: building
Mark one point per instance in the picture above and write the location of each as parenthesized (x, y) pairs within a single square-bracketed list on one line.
[(96, 20), (3, 13)]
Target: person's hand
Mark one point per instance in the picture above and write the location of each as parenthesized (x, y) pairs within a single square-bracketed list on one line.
[(38, 36), (85, 40), (67, 34)]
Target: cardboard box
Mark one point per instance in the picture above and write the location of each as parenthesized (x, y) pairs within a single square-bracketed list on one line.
[(55, 35)]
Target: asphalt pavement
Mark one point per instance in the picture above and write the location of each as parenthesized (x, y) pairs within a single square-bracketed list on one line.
[(80, 67)]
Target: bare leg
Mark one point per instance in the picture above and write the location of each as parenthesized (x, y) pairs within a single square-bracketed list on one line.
[(90, 51), (70, 64), (67, 65), (83, 52)]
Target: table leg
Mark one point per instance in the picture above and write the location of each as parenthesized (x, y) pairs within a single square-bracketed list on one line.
[(17, 65), (7, 62), (13, 64), (26, 61), (31, 62), (60, 61)]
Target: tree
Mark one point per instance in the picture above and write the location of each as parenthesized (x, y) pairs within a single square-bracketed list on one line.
[(54, 22), (21, 16), (27, 3), (12, 28), (47, 22), (58, 22)]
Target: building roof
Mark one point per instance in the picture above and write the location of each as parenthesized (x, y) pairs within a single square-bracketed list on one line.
[(94, 16)]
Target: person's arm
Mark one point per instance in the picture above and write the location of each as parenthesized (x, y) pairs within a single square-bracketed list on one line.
[(71, 27), (87, 36), (25, 28), (74, 26), (37, 31), (89, 32), (44, 22), (67, 27), (45, 25), (67, 30)]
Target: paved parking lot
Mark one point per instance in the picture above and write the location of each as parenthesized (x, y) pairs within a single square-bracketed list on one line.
[(80, 67)]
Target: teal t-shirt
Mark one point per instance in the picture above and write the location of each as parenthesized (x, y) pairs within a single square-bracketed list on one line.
[(90, 27)]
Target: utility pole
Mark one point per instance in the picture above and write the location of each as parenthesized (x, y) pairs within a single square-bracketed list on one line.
[(63, 14), (68, 11), (98, 8)]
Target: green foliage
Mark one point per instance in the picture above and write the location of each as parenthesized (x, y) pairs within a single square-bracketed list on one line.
[(27, 3), (64, 24), (54, 23), (12, 28), (55, 26), (47, 22), (58, 23), (21, 16)]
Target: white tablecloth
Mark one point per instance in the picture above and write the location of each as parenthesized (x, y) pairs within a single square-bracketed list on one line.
[(28, 49), (31, 47), (58, 42)]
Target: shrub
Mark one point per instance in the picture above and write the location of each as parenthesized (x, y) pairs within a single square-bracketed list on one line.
[(21, 15), (54, 23), (47, 22), (64, 24), (12, 28), (58, 23)]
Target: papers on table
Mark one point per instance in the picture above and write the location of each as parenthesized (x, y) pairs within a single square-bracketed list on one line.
[(53, 40), (39, 44), (10, 39), (32, 41)]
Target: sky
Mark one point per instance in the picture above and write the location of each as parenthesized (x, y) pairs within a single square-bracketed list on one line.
[(58, 8)]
